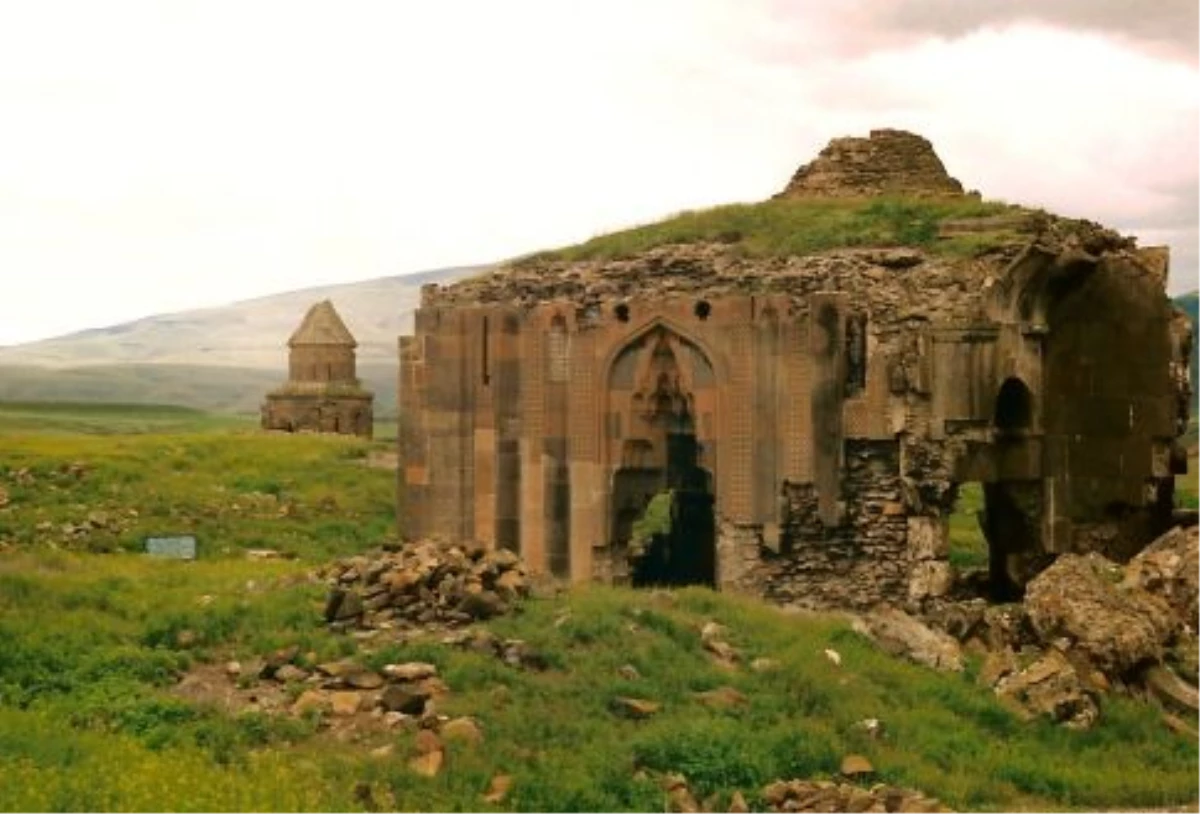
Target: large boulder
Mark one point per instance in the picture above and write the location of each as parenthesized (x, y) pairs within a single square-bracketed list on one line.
[(1169, 568), (1051, 687), (895, 632), (1086, 601)]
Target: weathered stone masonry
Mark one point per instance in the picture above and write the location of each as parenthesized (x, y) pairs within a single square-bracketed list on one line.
[(815, 414)]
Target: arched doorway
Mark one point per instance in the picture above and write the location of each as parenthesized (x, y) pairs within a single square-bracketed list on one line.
[(1013, 500), (662, 503)]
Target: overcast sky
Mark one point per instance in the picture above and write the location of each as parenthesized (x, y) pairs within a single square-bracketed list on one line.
[(165, 155)]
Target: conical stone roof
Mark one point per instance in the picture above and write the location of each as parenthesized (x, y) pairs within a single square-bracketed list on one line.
[(322, 326)]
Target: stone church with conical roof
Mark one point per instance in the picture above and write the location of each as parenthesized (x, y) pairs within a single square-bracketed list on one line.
[(322, 392)]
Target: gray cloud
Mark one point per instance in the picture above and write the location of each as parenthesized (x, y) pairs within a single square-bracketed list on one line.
[(1167, 25)]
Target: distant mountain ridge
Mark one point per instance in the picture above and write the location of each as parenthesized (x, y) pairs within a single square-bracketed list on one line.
[(159, 360), (247, 334), (223, 359)]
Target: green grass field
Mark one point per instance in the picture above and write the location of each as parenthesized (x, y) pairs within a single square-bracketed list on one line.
[(90, 648)]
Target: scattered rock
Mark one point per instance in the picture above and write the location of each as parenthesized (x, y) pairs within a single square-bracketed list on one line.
[(410, 671), (430, 754), (1083, 599), (856, 766), (1051, 687), (289, 673), (233, 669), (628, 672), (186, 638), (679, 796), (737, 803), (635, 708), (343, 605), (263, 554), (1169, 568), (835, 658), (498, 789), (364, 680), (310, 700), (463, 730), (406, 698), (428, 764), (344, 703), (902, 635), (996, 665), (723, 698), (821, 795), (1170, 690), (282, 656)]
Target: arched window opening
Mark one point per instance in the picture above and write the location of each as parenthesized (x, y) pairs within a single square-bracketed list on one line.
[(1014, 408)]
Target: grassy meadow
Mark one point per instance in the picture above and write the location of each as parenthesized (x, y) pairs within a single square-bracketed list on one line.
[(95, 635)]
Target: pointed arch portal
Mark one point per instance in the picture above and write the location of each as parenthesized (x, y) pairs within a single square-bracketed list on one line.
[(657, 382)]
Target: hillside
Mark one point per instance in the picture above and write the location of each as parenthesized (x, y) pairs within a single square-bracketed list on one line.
[(222, 358), (129, 682)]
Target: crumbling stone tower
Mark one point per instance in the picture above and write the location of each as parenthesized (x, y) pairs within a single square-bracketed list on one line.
[(322, 393), (812, 408)]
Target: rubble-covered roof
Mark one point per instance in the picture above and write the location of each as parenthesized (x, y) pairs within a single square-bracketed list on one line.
[(322, 326), (878, 218)]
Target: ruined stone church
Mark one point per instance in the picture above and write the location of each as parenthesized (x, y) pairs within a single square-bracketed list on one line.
[(322, 392), (812, 411)]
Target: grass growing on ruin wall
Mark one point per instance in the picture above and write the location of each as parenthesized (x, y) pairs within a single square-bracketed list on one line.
[(91, 646), (798, 227)]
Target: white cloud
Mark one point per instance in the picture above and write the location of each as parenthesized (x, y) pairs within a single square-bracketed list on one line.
[(165, 156)]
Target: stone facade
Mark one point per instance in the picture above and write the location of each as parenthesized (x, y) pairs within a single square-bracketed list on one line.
[(322, 393), (813, 415)]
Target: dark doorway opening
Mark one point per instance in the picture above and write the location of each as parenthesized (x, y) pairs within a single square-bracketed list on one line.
[(1013, 502), (1014, 408), (684, 553)]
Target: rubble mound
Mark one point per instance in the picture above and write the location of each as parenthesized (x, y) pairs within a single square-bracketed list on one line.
[(1081, 599), (423, 583), (827, 795), (887, 162), (1089, 626)]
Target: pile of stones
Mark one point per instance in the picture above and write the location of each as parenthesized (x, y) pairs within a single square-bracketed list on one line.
[(827, 795), (805, 795), (1087, 627), (425, 583)]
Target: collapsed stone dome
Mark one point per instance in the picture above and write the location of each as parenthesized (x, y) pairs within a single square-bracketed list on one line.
[(887, 162)]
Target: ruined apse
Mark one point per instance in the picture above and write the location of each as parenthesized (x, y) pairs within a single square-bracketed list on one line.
[(322, 392), (813, 415)]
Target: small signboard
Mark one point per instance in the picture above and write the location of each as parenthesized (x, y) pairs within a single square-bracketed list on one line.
[(182, 547)]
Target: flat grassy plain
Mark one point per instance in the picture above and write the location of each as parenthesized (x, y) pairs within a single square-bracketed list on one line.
[(91, 648)]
